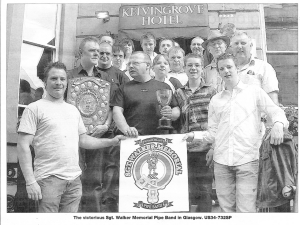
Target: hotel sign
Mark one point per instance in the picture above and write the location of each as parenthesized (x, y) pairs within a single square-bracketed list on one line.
[(163, 16)]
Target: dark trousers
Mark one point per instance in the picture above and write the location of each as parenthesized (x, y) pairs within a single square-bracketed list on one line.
[(200, 178), (100, 179)]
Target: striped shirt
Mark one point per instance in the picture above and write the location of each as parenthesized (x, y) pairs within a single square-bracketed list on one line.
[(194, 111)]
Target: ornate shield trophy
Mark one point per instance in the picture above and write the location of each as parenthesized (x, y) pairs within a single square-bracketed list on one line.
[(91, 97), (164, 97)]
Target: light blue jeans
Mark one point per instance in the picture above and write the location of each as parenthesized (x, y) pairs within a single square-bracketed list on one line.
[(236, 186), (59, 195)]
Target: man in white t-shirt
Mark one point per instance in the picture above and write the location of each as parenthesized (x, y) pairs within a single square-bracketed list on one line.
[(176, 56), (253, 70), (55, 129)]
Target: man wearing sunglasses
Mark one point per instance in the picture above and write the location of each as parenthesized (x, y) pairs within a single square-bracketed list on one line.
[(98, 178), (116, 76)]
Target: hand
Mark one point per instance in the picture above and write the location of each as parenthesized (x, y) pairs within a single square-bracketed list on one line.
[(276, 134), (131, 132), (189, 137), (34, 191), (166, 111), (99, 130), (209, 158), (117, 139)]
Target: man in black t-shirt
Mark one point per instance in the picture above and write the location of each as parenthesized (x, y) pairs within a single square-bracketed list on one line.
[(116, 77), (135, 106)]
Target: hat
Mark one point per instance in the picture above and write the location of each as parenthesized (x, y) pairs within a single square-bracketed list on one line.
[(214, 35)]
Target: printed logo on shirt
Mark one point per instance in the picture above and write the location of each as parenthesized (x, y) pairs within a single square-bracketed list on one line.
[(250, 72)]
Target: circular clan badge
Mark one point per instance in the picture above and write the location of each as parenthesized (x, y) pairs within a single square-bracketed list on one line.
[(153, 171), (152, 166)]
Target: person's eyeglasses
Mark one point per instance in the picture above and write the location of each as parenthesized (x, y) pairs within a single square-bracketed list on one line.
[(135, 63), (102, 53)]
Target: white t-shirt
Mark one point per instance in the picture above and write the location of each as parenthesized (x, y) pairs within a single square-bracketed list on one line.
[(260, 73), (56, 128), (182, 77)]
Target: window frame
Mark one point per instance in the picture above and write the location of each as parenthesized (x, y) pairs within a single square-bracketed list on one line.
[(53, 48), (265, 50)]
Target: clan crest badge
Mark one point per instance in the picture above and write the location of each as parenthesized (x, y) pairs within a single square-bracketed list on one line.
[(91, 97), (152, 166)]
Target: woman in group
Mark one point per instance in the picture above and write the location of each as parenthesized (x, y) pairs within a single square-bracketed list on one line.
[(128, 47), (161, 68)]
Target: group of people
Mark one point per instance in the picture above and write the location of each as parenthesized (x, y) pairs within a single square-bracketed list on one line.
[(218, 101)]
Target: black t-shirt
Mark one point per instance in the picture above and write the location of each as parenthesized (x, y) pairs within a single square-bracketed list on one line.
[(116, 78), (141, 108)]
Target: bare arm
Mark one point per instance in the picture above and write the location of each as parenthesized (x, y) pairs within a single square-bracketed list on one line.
[(25, 159), (122, 124), (88, 142)]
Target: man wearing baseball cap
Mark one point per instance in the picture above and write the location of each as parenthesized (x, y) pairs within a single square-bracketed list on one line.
[(216, 44)]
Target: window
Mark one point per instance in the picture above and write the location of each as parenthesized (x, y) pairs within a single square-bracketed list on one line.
[(39, 47), (281, 22)]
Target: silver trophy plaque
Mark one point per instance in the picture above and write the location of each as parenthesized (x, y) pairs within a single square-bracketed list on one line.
[(91, 97)]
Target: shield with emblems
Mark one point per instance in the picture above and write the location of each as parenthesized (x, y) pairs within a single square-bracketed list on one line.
[(91, 97)]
